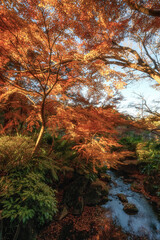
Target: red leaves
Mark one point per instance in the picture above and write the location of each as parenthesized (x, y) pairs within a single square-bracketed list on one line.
[(93, 130)]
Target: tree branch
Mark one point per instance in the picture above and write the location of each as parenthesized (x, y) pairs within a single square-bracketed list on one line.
[(154, 62), (147, 11)]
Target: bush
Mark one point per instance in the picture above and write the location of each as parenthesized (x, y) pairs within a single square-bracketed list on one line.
[(69, 160), (149, 156), (15, 150), (26, 197), (63, 151), (130, 142), (47, 138), (25, 192)]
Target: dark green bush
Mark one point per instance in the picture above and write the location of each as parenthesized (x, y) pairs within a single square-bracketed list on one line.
[(68, 158), (130, 142), (149, 156), (63, 150), (47, 138), (26, 195)]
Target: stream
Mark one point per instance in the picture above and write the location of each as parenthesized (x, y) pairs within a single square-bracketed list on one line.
[(145, 223)]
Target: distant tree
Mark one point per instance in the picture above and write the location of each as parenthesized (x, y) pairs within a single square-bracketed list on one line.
[(151, 115)]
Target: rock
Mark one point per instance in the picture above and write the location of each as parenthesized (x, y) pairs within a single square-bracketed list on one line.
[(79, 206), (64, 213), (135, 187), (104, 200), (105, 177), (130, 208), (122, 198), (73, 194), (128, 167), (128, 180), (96, 193), (114, 183), (82, 192)]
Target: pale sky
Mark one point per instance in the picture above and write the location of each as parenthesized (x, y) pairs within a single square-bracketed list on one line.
[(141, 87)]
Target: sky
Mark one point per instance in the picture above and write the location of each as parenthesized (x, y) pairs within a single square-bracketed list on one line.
[(141, 87)]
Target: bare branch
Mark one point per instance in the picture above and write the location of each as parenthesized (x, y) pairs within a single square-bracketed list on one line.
[(154, 62), (139, 8)]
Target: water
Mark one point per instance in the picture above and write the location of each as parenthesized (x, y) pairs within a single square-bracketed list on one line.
[(143, 224)]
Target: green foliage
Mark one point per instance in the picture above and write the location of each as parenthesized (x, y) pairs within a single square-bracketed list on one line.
[(68, 158), (15, 150), (47, 138), (45, 165), (63, 150), (149, 156), (26, 196), (130, 142), (102, 169), (25, 186)]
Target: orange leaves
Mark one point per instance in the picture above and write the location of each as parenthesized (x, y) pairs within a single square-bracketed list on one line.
[(120, 84), (93, 130), (52, 52)]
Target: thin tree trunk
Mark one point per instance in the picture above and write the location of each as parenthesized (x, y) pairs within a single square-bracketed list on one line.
[(39, 139), (156, 77), (17, 232), (42, 117)]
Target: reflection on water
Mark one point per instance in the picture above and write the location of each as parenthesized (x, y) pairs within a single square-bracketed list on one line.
[(145, 223)]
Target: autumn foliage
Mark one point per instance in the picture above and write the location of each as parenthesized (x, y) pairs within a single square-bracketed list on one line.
[(56, 53), (62, 64)]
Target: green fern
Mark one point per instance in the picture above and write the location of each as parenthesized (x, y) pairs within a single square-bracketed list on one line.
[(27, 197)]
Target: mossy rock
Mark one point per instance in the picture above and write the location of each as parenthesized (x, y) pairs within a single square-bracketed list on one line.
[(73, 194), (79, 206), (105, 177), (130, 208), (104, 200), (122, 198), (96, 193), (135, 187)]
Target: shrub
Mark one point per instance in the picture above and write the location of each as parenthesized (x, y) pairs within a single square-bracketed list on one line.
[(27, 197), (63, 150), (26, 194), (68, 158), (149, 156), (130, 142), (47, 138), (15, 150)]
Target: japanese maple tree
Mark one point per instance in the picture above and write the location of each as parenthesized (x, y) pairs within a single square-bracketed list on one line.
[(55, 50), (35, 54), (108, 26)]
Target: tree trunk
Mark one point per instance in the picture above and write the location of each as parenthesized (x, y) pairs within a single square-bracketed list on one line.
[(156, 77), (42, 117), (39, 139)]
